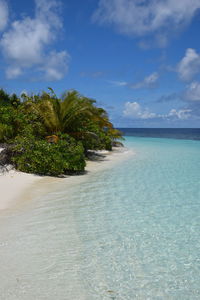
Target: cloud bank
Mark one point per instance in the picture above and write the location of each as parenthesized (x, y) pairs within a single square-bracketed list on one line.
[(134, 110), (182, 114), (142, 18), (25, 45)]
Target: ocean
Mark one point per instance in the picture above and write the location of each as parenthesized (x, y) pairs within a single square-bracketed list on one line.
[(173, 133), (130, 231)]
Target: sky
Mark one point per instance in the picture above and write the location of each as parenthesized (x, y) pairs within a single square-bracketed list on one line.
[(139, 59)]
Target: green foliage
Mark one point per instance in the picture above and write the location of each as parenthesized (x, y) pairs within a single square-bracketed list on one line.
[(6, 123), (14, 100), (41, 157), (75, 119), (75, 115), (6, 132), (8, 100), (4, 98), (95, 139), (19, 121)]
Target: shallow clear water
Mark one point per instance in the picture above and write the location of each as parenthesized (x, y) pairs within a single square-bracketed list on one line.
[(127, 232)]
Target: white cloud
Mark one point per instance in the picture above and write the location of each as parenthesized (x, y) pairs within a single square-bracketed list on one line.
[(148, 82), (13, 72), (189, 66), (25, 44), (56, 65), (140, 18), (182, 114), (193, 92), (25, 41), (118, 83), (134, 110), (3, 14)]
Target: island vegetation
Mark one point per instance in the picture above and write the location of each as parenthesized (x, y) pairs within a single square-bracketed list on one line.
[(47, 135)]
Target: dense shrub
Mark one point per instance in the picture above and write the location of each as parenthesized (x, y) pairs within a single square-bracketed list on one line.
[(96, 140), (106, 142), (41, 157), (6, 123), (29, 123), (15, 121), (4, 98), (6, 132)]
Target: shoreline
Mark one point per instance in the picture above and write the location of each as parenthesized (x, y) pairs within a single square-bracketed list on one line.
[(16, 187)]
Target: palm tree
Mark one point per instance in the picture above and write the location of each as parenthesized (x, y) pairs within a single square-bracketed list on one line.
[(73, 114)]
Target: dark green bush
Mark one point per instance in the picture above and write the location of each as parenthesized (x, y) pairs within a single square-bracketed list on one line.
[(6, 132), (8, 100), (95, 139), (6, 123), (15, 121), (102, 141), (41, 157), (106, 142)]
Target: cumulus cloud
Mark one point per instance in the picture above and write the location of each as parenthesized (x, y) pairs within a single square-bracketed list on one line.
[(182, 114), (189, 66), (3, 14), (134, 110), (141, 18), (148, 82), (56, 65), (25, 44), (193, 92)]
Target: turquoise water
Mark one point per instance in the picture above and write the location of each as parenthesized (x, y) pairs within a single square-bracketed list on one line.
[(127, 232)]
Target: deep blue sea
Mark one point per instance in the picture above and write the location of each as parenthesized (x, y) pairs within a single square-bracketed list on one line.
[(173, 133), (129, 231)]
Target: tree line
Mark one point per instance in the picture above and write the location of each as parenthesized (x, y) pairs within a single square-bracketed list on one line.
[(47, 135)]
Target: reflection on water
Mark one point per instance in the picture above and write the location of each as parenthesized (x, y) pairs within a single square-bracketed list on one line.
[(127, 232)]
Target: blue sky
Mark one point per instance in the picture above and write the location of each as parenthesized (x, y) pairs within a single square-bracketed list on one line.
[(140, 59)]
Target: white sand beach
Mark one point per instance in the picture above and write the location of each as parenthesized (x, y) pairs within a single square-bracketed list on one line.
[(17, 186), (13, 185)]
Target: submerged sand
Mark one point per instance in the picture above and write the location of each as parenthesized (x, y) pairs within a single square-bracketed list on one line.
[(16, 186)]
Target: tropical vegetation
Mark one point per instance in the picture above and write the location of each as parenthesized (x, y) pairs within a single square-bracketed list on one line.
[(48, 135)]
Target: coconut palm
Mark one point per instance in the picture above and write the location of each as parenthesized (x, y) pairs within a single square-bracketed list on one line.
[(73, 114)]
